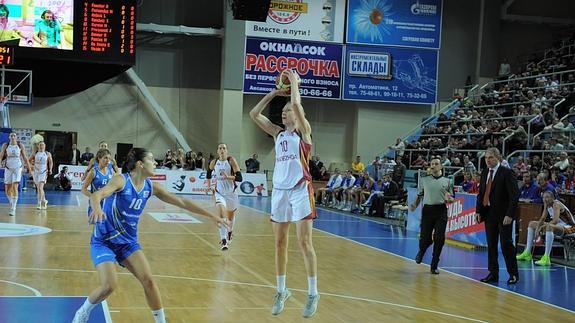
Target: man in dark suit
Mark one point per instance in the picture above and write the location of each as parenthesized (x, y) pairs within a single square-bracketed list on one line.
[(497, 205), (75, 155)]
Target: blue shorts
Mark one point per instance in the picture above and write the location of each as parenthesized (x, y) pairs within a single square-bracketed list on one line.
[(104, 251)]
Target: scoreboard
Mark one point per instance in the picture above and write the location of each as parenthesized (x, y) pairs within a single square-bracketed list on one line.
[(99, 31)]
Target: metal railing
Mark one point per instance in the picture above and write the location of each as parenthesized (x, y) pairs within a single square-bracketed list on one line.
[(525, 153), (485, 119), (526, 78)]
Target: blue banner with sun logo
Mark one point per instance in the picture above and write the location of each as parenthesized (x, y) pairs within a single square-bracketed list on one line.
[(406, 23)]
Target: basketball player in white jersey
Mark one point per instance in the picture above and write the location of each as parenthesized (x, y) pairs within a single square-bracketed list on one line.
[(101, 145), (15, 159), (42, 163), (292, 195), (226, 172)]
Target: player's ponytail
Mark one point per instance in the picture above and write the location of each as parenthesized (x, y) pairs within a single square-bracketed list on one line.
[(134, 155)]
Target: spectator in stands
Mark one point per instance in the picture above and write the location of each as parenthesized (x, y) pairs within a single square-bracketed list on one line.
[(569, 179), (399, 147), (387, 165), (469, 166), (168, 160), (317, 169), (468, 183), (64, 180), (476, 180), (357, 166), (445, 161), (504, 69), (252, 164), (325, 192), (86, 157), (554, 145), (190, 160), (456, 162), (419, 162), (398, 174), (529, 190), (180, 159), (563, 162), (376, 165)]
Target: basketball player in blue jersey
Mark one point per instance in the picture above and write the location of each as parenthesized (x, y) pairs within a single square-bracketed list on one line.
[(93, 162), (115, 235), (292, 195), (98, 176), (225, 171), (15, 159)]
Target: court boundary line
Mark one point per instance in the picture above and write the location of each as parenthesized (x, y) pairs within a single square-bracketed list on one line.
[(34, 290), (448, 271), (368, 300)]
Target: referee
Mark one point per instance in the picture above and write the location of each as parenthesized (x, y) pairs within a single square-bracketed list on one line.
[(435, 190)]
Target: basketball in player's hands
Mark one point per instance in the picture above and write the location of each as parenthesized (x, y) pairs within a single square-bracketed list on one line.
[(283, 81)]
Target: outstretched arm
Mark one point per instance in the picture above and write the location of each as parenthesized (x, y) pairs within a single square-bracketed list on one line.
[(185, 204), (264, 123), (297, 108)]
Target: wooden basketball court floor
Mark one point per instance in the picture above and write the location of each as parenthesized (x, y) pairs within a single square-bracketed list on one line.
[(365, 274)]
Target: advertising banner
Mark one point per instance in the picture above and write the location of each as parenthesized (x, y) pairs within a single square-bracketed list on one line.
[(405, 23), (311, 20), (387, 74), (318, 64), (185, 182)]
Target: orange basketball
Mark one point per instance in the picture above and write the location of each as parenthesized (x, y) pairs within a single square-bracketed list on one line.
[(283, 82)]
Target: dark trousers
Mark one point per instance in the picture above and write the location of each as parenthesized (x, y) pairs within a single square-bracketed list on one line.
[(495, 231), (433, 221)]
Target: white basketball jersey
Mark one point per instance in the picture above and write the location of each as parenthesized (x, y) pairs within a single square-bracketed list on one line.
[(222, 168), (41, 162), (292, 160), (13, 156)]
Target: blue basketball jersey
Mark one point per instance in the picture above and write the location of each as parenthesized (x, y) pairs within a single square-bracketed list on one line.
[(123, 210), (100, 179)]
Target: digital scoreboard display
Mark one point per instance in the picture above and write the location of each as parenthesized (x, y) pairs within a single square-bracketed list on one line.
[(80, 30)]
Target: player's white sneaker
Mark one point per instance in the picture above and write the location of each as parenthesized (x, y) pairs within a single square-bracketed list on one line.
[(45, 205), (81, 316), (279, 301), (310, 306), (12, 212)]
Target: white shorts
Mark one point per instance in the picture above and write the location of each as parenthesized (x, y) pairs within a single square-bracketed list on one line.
[(229, 200), (12, 175), (40, 177), (293, 204)]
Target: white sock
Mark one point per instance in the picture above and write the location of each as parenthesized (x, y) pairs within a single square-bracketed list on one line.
[(232, 222), (281, 280), (87, 306), (530, 233), (159, 316), (223, 232), (549, 236), (15, 201), (312, 285)]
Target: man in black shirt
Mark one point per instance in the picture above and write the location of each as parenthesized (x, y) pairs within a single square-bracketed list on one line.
[(252, 164)]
